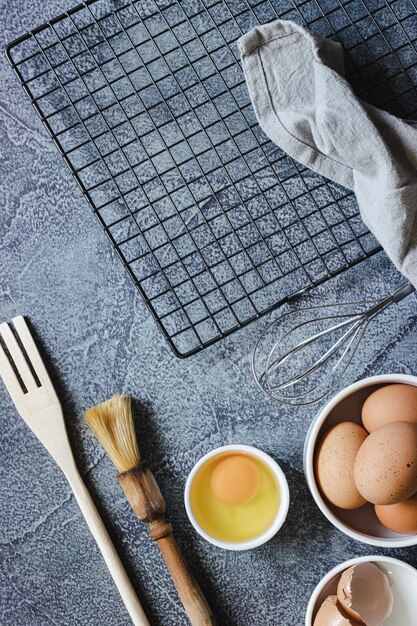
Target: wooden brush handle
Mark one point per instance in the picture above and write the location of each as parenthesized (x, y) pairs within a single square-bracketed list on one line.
[(190, 594), (147, 502), (102, 537)]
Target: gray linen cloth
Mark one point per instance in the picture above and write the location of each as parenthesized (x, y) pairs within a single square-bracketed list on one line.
[(305, 105)]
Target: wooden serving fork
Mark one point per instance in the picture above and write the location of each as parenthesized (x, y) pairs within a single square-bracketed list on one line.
[(29, 385)]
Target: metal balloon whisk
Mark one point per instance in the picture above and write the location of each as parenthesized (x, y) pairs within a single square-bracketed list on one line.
[(302, 356)]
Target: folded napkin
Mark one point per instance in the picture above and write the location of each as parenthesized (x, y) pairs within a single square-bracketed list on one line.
[(305, 105)]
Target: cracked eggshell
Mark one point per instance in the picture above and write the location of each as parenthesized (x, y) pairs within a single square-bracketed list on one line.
[(365, 594), (330, 614), (344, 595), (334, 463), (385, 469)]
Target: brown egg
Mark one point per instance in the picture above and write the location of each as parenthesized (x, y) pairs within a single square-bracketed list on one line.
[(331, 614), (334, 464), (385, 469), (392, 403), (400, 517)]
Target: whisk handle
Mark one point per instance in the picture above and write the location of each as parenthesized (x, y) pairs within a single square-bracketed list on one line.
[(402, 291)]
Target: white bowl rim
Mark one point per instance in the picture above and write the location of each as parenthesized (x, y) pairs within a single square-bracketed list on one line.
[(283, 507), (338, 569), (309, 446)]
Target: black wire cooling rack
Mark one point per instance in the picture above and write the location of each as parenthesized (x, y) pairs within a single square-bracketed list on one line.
[(147, 103)]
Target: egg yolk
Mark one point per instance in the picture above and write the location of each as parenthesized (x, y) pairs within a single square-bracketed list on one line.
[(235, 480)]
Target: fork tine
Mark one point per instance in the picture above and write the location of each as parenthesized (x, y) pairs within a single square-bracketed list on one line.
[(29, 345), (18, 357), (10, 380)]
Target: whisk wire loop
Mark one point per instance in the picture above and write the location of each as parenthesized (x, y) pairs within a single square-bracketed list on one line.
[(279, 373)]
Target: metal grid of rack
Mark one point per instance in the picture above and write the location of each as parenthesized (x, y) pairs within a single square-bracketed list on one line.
[(147, 103)]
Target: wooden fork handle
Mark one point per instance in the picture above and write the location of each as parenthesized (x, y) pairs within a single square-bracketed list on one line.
[(190, 594), (104, 542)]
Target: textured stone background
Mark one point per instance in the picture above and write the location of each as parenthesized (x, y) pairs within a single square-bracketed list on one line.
[(58, 268)]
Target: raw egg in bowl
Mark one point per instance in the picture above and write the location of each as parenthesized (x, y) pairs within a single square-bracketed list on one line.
[(237, 497)]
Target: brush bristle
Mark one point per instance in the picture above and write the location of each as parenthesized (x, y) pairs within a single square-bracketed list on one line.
[(112, 423)]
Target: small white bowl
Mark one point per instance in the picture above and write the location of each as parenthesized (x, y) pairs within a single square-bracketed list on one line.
[(361, 524), (402, 579), (284, 495)]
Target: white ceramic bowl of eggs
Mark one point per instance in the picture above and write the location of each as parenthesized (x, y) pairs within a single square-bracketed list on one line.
[(357, 441)]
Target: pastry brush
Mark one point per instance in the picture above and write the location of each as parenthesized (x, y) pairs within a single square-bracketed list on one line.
[(112, 423)]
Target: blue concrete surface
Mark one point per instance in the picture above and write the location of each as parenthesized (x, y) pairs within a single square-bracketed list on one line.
[(57, 267)]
